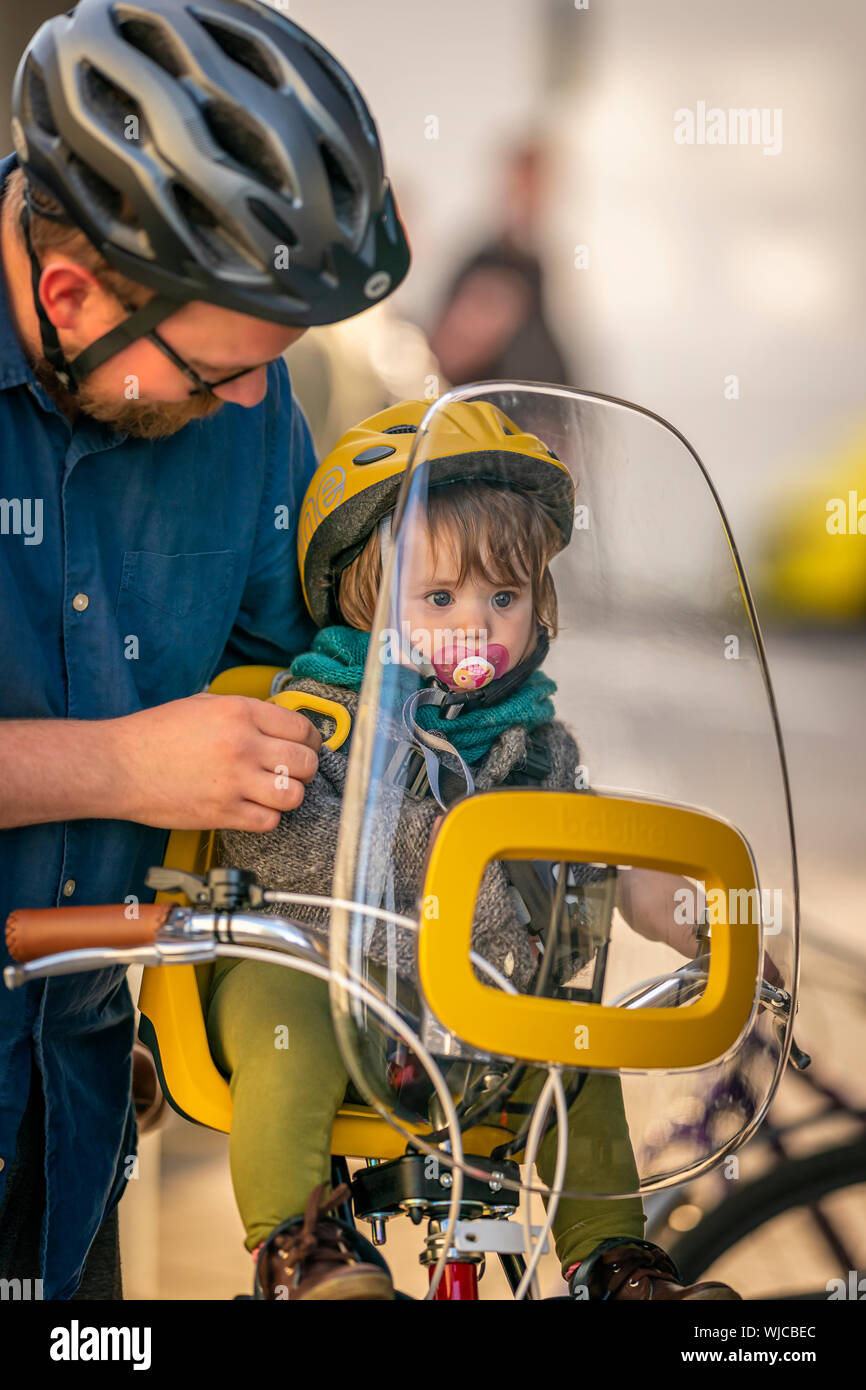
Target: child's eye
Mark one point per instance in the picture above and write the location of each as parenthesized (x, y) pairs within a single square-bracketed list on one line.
[(440, 597), (503, 599)]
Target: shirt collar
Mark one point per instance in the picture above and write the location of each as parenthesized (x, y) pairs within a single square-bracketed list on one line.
[(15, 370)]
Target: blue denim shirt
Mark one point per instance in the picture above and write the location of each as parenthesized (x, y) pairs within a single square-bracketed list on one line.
[(179, 543)]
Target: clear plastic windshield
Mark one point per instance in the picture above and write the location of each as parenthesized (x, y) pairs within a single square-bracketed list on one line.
[(594, 872)]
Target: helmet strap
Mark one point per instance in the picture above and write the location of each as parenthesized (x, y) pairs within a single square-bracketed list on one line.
[(451, 703), (138, 325), (410, 654), (386, 545), (454, 702), (433, 745), (51, 349)]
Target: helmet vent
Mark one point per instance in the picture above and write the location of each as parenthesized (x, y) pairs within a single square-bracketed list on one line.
[(213, 239), (151, 39), (401, 429), (275, 224), (111, 103), (94, 190), (343, 192), (37, 105), (238, 135), (244, 51), (336, 77)]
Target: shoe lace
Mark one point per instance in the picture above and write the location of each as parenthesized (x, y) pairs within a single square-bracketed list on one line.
[(632, 1265), (295, 1247)]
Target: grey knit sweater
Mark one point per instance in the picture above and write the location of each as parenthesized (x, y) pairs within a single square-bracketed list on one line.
[(299, 854)]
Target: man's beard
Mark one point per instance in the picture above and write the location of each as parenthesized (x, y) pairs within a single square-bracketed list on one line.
[(143, 419)]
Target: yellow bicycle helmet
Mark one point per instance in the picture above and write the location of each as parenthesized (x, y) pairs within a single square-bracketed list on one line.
[(358, 482)]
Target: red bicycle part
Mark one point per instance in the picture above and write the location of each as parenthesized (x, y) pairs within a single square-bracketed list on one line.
[(459, 1282)]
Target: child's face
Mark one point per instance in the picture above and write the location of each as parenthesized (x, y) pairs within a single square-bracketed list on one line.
[(453, 624)]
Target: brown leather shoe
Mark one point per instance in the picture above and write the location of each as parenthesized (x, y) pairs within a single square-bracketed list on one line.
[(639, 1270), (315, 1258)]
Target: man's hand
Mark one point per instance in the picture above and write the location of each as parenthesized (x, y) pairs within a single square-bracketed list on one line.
[(206, 762), (214, 761)]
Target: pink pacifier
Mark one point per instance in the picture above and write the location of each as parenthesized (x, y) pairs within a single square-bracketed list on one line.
[(473, 672)]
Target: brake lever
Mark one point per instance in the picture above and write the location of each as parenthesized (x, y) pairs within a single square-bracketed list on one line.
[(166, 880), (779, 1002), (223, 889)]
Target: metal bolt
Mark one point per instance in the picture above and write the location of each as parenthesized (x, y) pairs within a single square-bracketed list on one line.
[(378, 1231)]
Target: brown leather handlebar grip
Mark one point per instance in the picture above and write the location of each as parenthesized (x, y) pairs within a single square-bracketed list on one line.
[(32, 932)]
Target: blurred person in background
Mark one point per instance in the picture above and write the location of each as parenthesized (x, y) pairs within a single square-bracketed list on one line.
[(493, 324)]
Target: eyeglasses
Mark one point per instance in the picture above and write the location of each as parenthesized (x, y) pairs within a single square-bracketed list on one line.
[(202, 387)]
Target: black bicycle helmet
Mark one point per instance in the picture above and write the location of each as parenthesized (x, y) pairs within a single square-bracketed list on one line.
[(211, 149)]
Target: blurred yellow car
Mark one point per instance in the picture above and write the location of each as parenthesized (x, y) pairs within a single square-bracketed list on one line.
[(814, 564)]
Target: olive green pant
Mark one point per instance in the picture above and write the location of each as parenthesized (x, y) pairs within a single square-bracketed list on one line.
[(270, 1031)]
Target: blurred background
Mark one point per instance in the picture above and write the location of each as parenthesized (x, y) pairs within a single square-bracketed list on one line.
[(560, 232)]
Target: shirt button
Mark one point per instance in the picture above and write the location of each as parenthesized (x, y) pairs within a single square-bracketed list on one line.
[(80, 602), (69, 888)]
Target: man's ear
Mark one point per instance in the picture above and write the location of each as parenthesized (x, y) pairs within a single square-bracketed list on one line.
[(65, 289)]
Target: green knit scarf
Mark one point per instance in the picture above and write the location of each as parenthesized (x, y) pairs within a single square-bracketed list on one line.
[(338, 655)]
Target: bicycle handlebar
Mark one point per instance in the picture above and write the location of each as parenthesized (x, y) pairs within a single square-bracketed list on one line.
[(36, 933), (47, 931)]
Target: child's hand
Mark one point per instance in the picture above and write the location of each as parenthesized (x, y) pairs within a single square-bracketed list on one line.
[(646, 900), (645, 897)]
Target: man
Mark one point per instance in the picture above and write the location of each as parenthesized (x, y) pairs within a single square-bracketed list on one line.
[(189, 193)]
